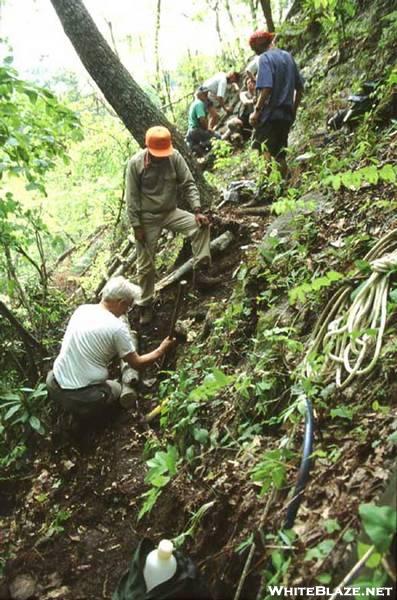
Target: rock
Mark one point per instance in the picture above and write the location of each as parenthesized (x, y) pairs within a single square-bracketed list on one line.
[(22, 587)]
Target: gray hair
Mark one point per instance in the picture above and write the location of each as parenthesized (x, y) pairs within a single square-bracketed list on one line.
[(119, 288)]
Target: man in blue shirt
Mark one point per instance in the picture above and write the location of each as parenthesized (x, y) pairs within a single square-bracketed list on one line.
[(280, 87)]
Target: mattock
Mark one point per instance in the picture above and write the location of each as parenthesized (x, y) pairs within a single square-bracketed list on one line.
[(171, 333)]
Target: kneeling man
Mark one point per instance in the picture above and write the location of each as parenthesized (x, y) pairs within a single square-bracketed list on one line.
[(94, 336)]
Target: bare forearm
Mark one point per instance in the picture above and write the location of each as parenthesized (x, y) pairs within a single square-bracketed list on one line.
[(263, 99), (137, 361)]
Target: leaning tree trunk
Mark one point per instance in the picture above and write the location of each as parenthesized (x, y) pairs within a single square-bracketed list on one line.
[(267, 11), (122, 92)]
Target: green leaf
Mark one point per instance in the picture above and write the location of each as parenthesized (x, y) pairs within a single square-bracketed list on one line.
[(36, 425), (362, 549), (201, 435), (334, 276), (393, 437), (320, 551), (9, 396), (331, 525), (158, 480), (11, 412), (324, 578), (245, 544), (344, 412), (277, 559), (393, 295), (151, 498), (379, 523), (388, 173), (349, 536)]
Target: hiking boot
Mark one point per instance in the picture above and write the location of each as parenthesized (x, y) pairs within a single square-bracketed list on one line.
[(145, 314), (128, 397), (203, 281)]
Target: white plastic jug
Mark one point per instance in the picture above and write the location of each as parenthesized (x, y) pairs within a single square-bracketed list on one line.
[(160, 565)]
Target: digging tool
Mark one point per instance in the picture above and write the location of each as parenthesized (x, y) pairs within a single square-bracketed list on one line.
[(179, 295)]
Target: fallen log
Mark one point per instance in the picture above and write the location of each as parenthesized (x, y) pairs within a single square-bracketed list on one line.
[(64, 255), (254, 210), (119, 270), (219, 244), (125, 249)]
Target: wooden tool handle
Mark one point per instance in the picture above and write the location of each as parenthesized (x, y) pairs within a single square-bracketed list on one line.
[(179, 295)]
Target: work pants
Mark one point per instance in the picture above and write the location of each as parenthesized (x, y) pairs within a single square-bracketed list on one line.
[(87, 401), (178, 221)]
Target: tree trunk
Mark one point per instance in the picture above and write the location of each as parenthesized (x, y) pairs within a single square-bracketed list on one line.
[(267, 11), (122, 92)]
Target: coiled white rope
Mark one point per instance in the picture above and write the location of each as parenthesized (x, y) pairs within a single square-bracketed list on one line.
[(345, 334)]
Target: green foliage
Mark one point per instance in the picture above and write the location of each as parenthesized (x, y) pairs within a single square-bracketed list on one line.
[(320, 551), (379, 523), (215, 381), (344, 412), (57, 524), (271, 469), (333, 15), (162, 467), (292, 203), (34, 130), (300, 292), (331, 525), (389, 30), (21, 411), (187, 395), (193, 524), (369, 175)]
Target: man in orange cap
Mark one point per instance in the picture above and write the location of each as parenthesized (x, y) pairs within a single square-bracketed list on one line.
[(279, 86), (155, 177)]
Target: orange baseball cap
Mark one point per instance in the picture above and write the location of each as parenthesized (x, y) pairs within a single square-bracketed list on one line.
[(158, 141)]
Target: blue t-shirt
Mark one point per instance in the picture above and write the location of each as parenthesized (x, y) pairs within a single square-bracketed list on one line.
[(277, 70)]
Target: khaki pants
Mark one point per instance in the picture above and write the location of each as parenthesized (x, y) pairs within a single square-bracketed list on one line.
[(178, 221)]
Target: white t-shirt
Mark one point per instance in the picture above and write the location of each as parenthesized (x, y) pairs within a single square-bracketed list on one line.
[(93, 337), (216, 85), (252, 66)]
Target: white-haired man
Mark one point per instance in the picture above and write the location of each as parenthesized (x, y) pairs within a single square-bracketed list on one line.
[(94, 336)]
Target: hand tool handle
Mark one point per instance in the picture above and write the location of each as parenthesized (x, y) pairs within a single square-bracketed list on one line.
[(179, 295)]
